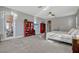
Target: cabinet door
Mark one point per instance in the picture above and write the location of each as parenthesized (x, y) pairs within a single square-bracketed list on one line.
[(42, 28)]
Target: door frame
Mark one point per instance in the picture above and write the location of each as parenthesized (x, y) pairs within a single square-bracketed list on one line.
[(4, 27), (49, 22)]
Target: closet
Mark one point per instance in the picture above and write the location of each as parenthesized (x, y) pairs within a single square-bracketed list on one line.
[(28, 28), (42, 28)]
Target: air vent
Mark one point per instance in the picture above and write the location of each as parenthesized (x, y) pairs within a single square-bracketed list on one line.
[(40, 6)]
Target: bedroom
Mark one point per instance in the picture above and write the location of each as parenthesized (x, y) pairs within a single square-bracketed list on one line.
[(61, 22)]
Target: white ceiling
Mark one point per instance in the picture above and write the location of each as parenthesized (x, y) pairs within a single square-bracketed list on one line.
[(59, 11)]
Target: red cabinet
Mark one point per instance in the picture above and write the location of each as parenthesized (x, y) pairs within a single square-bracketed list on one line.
[(42, 28), (28, 28)]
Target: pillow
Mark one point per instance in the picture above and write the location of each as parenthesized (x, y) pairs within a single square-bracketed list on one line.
[(74, 32), (71, 31)]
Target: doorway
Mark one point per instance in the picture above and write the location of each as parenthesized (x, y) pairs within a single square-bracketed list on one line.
[(49, 26), (9, 25)]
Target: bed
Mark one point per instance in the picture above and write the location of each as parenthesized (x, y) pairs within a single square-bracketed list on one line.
[(62, 36)]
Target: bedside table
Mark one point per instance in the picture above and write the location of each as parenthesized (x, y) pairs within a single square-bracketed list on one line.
[(75, 45)]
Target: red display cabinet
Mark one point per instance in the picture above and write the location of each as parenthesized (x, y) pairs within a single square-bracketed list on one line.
[(42, 28), (28, 28)]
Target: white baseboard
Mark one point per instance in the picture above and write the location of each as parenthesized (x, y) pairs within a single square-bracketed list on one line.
[(6, 39), (13, 38), (19, 36)]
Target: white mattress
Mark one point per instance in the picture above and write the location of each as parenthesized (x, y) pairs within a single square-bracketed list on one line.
[(58, 32), (60, 36)]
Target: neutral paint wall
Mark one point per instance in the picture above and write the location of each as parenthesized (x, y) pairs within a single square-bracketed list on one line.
[(77, 19), (63, 23), (2, 21), (19, 22), (37, 25), (1, 24)]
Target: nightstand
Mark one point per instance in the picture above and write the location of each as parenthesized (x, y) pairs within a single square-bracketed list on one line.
[(75, 45)]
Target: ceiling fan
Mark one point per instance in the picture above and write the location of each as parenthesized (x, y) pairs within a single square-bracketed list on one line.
[(51, 15)]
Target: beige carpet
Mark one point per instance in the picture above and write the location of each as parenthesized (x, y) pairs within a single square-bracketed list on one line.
[(33, 44)]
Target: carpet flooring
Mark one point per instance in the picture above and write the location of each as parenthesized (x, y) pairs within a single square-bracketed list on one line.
[(33, 44)]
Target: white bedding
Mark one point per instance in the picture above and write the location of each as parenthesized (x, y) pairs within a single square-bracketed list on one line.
[(60, 36)]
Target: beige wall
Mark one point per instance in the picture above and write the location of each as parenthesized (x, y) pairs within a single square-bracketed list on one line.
[(19, 22), (63, 23)]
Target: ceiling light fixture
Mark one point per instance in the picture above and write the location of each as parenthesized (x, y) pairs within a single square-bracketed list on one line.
[(46, 8), (51, 15), (40, 6)]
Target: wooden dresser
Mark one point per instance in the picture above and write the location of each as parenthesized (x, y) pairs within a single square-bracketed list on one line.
[(75, 45)]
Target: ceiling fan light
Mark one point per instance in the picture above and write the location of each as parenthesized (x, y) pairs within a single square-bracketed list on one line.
[(40, 6), (46, 8), (52, 14)]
